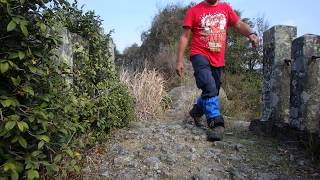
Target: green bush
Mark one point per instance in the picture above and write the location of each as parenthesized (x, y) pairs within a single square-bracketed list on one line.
[(245, 92), (46, 121)]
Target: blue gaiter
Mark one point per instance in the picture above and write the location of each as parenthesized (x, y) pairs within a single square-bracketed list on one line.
[(210, 107)]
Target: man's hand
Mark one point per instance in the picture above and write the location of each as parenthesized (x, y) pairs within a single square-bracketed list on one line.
[(181, 48), (254, 40), (179, 68), (245, 30)]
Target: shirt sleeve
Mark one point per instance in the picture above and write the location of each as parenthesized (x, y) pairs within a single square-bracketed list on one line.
[(233, 17), (188, 20)]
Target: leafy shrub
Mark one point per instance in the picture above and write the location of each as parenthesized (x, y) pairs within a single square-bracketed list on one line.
[(159, 43), (50, 111), (245, 92)]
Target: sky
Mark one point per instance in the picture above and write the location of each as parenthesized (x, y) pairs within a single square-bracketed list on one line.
[(130, 18)]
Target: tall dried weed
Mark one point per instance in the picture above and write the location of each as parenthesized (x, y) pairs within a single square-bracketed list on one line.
[(148, 89)]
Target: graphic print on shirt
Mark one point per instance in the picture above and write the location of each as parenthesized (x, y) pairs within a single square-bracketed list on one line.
[(214, 31)]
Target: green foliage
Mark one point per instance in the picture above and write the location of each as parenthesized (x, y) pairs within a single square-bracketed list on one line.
[(245, 91), (165, 30), (159, 43), (49, 112), (130, 58), (240, 55)]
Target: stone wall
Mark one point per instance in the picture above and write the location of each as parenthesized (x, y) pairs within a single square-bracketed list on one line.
[(70, 42), (291, 75), (276, 72), (111, 48), (65, 50), (305, 84)]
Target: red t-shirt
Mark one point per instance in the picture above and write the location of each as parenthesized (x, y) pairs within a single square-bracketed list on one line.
[(209, 26)]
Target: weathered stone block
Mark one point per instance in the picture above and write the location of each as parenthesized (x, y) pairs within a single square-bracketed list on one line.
[(64, 54), (111, 48), (276, 72), (65, 50), (305, 84)]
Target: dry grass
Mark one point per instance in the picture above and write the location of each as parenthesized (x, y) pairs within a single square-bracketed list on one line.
[(148, 89)]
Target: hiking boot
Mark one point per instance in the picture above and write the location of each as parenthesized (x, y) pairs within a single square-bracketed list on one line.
[(196, 113), (215, 132)]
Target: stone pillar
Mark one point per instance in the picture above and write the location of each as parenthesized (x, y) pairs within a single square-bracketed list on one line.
[(111, 48), (65, 50), (64, 54), (276, 73), (305, 84)]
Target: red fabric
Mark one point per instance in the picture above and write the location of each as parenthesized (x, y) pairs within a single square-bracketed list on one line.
[(209, 26)]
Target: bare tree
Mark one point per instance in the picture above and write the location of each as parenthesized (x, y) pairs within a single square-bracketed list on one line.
[(261, 24)]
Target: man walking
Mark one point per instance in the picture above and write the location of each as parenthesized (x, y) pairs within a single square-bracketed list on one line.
[(208, 24)]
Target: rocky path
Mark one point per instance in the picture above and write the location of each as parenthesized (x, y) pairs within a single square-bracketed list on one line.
[(173, 148)]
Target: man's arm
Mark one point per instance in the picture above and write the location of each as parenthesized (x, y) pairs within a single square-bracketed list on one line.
[(184, 39), (245, 30)]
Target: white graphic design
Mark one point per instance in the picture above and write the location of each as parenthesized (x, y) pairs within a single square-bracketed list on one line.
[(214, 31)]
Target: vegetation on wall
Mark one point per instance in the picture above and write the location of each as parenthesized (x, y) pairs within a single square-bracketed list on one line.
[(49, 111)]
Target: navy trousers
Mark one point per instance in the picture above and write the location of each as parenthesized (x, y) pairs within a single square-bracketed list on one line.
[(208, 79)]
